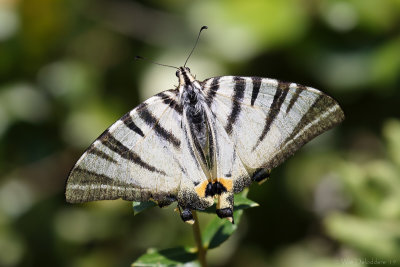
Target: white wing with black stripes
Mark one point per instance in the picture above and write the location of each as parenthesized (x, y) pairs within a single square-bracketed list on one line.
[(140, 157), (268, 120)]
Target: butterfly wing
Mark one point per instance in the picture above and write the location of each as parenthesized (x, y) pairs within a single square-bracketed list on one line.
[(268, 120), (138, 158)]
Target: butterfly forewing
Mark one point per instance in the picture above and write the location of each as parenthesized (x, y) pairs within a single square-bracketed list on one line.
[(121, 162), (268, 120)]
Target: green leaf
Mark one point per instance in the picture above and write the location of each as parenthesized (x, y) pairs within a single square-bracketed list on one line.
[(219, 230), (141, 206), (242, 202), (167, 257)]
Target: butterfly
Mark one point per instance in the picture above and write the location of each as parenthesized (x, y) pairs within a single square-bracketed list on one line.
[(202, 141)]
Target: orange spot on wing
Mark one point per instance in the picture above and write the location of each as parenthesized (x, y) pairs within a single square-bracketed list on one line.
[(201, 189), (227, 183)]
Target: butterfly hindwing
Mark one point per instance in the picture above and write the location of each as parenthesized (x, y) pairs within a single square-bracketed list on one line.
[(230, 171), (268, 120)]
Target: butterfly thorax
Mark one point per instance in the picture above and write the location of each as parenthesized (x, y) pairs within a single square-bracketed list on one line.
[(192, 104)]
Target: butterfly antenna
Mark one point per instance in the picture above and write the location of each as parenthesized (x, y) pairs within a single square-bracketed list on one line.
[(198, 36), (142, 58)]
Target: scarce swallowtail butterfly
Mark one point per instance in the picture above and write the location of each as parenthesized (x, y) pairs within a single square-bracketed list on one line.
[(203, 140)]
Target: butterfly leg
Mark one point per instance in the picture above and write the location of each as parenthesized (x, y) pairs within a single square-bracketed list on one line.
[(261, 175), (186, 215), (223, 188)]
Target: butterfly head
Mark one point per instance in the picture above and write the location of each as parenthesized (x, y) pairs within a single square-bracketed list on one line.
[(185, 77)]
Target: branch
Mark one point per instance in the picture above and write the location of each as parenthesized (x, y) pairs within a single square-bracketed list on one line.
[(201, 251)]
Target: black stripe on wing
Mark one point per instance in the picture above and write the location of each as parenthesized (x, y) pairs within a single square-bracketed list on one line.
[(299, 89), (93, 150), (321, 104), (109, 141), (279, 97), (212, 90), (127, 120), (171, 102), (152, 121), (89, 177), (238, 94), (256, 89)]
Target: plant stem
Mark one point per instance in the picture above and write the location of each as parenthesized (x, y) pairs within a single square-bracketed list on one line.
[(201, 251)]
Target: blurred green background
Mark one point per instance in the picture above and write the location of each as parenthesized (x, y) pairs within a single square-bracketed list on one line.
[(67, 72)]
